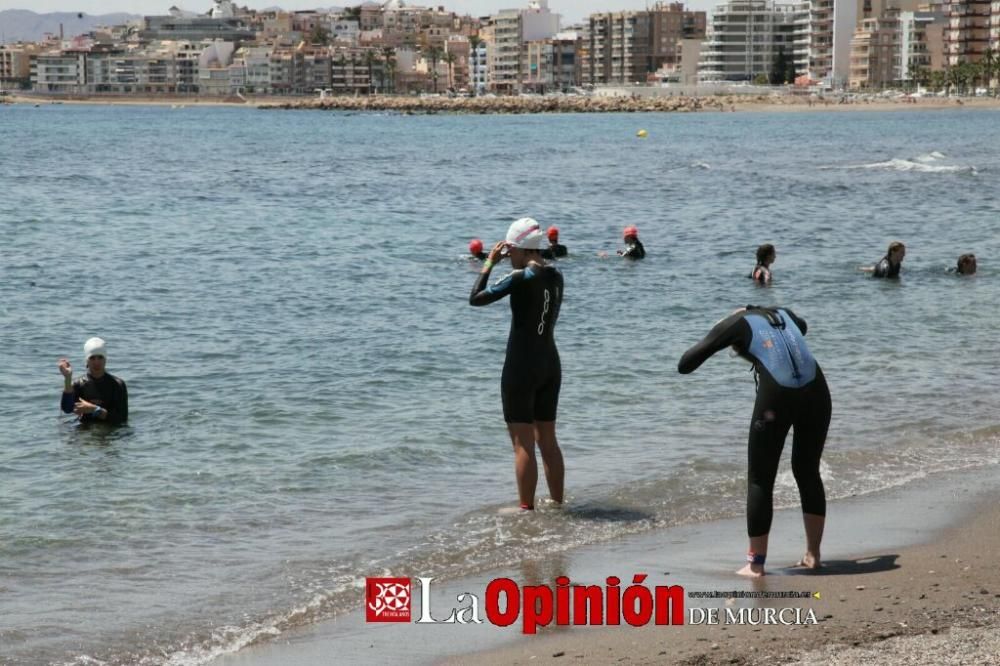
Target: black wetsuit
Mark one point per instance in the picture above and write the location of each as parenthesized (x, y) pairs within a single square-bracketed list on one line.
[(108, 392), (792, 393), (554, 251), (886, 269), (761, 274), (480, 256), (532, 374), (634, 250)]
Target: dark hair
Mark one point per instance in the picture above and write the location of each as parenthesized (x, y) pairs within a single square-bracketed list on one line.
[(764, 251), (894, 246), (967, 258)]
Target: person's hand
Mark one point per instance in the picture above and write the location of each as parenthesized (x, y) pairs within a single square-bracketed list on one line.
[(65, 368), (495, 253), (83, 407)]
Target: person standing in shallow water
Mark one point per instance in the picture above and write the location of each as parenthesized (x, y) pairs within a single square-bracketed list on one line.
[(532, 374), (100, 397), (792, 393), (765, 257)]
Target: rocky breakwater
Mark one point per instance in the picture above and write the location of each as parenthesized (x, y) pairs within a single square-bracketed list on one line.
[(515, 105)]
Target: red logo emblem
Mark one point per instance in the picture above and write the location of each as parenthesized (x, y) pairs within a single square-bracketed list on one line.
[(387, 599)]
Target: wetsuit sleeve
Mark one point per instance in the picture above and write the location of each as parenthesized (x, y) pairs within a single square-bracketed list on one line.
[(881, 269), (730, 331), (68, 400), (484, 293), (801, 323), (118, 412)]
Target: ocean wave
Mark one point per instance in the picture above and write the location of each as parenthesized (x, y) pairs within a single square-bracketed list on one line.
[(927, 163)]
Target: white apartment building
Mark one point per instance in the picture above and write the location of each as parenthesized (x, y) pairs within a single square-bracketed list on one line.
[(745, 37)]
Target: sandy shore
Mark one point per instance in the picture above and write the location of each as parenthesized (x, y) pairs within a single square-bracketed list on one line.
[(938, 603), (528, 105), (909, 572)]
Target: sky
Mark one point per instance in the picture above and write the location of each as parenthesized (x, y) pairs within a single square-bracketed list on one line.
[(571, 10)]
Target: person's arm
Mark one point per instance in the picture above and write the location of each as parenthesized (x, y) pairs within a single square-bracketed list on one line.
[(731, 330), (68, 399), (881, 269), (801, 323)]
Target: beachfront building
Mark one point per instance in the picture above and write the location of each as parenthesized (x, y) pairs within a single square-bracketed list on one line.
[(251, 70), (748, 37), (457, 53), (967, 36), (628, 47), (221, 24), (59, 72), (15, 64), (892, 47), (821, 29), (479, 64), (512, 28), (551, 64)]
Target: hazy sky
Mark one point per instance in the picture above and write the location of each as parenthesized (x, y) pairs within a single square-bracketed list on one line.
[(571, 10)]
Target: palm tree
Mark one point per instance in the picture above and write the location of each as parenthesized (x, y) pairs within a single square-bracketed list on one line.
[(434, 53), (370, 59), (989, 66), (389, 69), (450, 58)]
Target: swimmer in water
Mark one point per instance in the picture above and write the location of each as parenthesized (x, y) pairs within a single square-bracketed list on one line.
[(792, 393), (532, 374), (476, 249), (555, 250), (633, 247), (766, 255), (890, 264), (966, 264)]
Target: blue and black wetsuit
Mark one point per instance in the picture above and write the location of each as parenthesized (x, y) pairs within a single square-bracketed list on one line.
[(108, 392), (792, 393), (886, 269), (532, 374)]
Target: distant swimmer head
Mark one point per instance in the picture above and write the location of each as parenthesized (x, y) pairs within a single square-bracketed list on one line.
[(967, 264), (525, 234), (630, 232), (766, 254), (896, 252), (475, 246), (553, 234)]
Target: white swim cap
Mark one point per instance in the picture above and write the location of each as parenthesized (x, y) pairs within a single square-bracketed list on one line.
[(526, 235), (94, 347)]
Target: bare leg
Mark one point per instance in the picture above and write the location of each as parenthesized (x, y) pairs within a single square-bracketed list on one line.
[(814, 535), (522, 436), (545, 435), (758, 546)]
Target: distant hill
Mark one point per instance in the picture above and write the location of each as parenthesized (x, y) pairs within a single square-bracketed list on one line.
[(27, 26)]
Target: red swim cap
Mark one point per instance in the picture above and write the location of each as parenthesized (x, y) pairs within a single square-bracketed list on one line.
[(475, 246), (552, 233), (630, 231)]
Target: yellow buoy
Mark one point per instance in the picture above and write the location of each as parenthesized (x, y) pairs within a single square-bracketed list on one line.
[(642, 134)]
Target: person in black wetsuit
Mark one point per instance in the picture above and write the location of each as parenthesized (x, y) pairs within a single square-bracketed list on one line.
[(555, 250), (532, 374), (100, 397), (766, 255), (890, 264), (476, 249), (633, 247), (792, 393)]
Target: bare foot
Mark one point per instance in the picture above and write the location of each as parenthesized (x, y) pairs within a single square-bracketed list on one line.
[(809, 561), (752, 571)]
